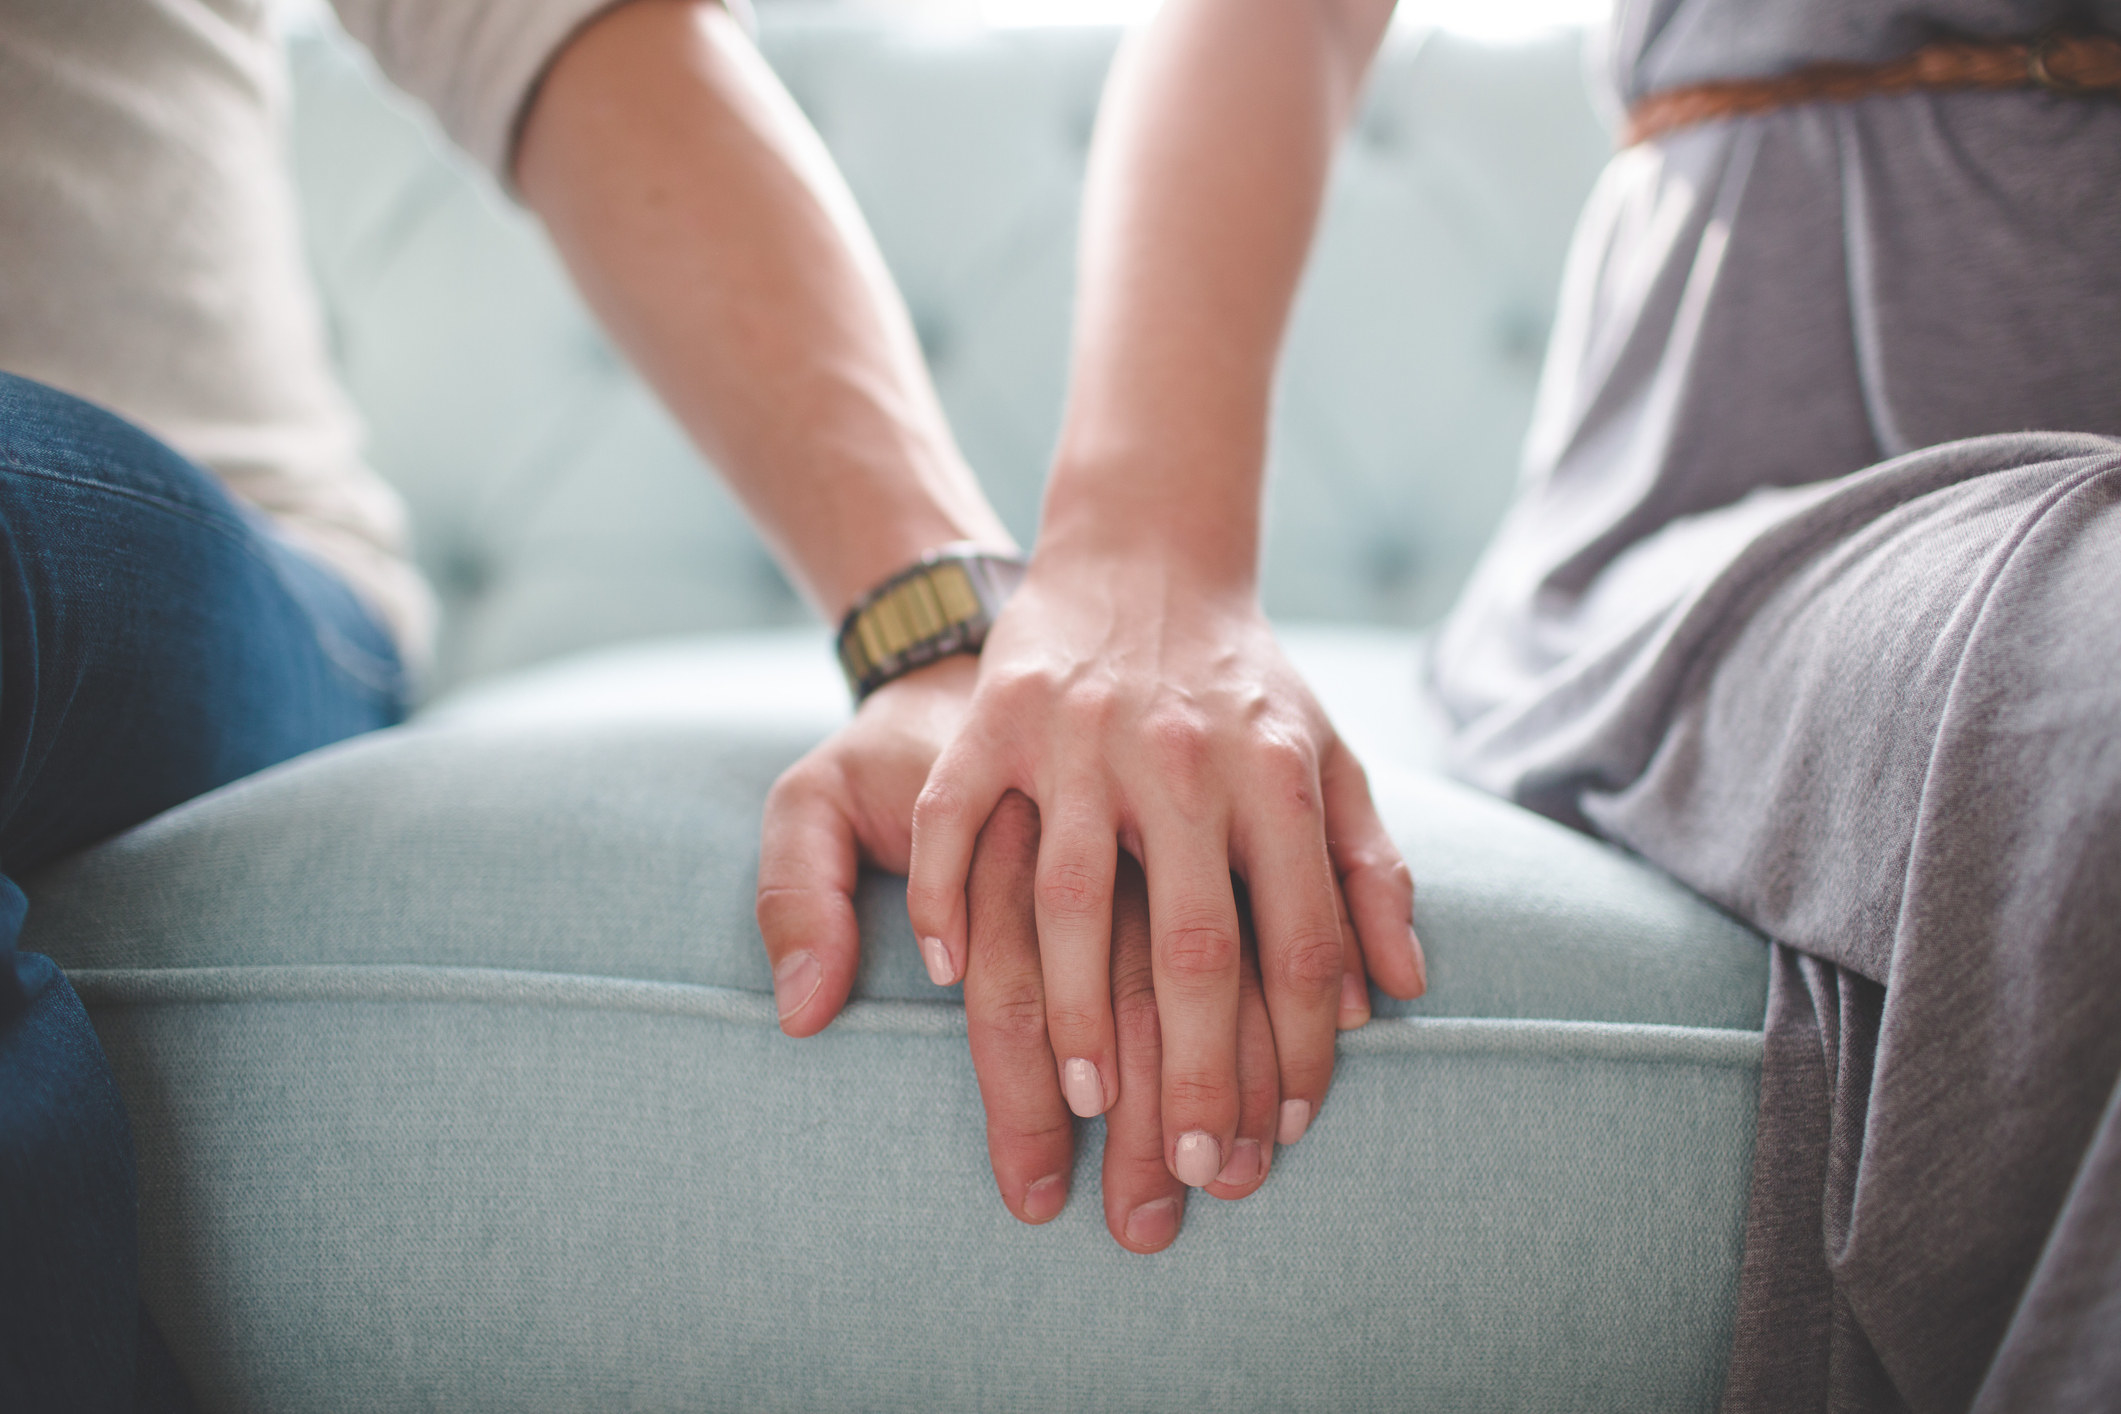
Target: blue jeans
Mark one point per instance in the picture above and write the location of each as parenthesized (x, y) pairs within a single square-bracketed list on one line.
[(156, 641)]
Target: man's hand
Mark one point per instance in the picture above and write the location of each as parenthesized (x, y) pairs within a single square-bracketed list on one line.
[(849, 800), (1030, 1135)]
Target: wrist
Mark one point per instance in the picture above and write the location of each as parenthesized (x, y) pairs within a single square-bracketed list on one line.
[(1204, 555), (1187, 510)]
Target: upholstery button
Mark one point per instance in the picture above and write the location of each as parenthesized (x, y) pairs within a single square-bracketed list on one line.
[(935, 336), (1389, 565)]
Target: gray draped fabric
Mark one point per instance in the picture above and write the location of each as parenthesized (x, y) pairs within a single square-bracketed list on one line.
[(1812, 595)]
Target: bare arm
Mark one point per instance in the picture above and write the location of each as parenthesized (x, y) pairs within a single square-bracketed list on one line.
[(1213, 146), (1133, 689), (706, 225)]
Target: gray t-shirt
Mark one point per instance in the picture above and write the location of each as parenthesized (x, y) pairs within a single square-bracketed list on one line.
[(1758, 306)]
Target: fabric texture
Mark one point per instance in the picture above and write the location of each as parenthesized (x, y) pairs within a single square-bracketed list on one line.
[(453, 1066), (155, 642), (473, 63), (1792, 604), (154, 265)]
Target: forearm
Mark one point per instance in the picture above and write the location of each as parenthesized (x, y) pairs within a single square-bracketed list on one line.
[(1212, 151), (706, 226)]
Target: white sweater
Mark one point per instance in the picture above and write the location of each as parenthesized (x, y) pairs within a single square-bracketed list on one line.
[(150, 259)]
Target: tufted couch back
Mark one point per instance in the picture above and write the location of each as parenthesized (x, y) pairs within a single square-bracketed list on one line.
[(555, 506)]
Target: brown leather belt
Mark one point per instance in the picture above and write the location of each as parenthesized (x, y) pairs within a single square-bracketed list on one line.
[(2060, 63)]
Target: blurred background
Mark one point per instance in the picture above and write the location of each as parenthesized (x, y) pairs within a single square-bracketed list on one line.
[(556, 508)]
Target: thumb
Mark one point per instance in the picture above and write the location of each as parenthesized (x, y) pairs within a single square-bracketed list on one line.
[(808, 864)]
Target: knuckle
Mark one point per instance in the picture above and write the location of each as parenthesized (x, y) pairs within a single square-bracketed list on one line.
[(1073, 1021), (1093, 702), (1288, 769), (1310, 962), (1034, 1139), (1382, 864), (1015, 1018), (1179, 742), (1071, 890), (940, 805), (1196, 1092), (1133, 979), (1199, 949), (929, 900), (1021, 693), (1137, 1028)]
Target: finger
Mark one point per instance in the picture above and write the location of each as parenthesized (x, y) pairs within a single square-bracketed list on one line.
[(1144, 1203), (1258, 1083), (1030, 1137), (1354, 979), (1193, 949), (808, 863), (1378, 884), (953, 807), (1075, 863), (1302, 948)]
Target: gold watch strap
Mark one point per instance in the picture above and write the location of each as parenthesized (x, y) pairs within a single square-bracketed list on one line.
[(941, 605)]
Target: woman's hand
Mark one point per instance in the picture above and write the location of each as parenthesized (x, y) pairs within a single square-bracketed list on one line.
[(1145, 712), (1030, 1137)]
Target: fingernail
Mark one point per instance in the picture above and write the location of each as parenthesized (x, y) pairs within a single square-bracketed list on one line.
[(1085, 1091), (1243, 1167), (1200, 1158), (1295, 1119), (1421, 965), (1153, 1224), (795, 982), (1045, 1198), (938, 959), (1354, 1002)]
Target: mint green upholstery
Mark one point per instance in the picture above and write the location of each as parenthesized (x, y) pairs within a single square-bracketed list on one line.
[(449, 1052), (556, 507), (456, 1084)]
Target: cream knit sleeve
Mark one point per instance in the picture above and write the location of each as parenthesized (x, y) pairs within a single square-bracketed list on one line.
[(475, 63)]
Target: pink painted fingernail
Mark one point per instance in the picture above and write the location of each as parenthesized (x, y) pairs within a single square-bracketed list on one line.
[(938, 959), (795, 982), (1354, 1002), (1044, 1199), (1243, 1167), (1199, 1158), (1295, 1119), (1153, 1224), (1421, 965), (1085, 1091)]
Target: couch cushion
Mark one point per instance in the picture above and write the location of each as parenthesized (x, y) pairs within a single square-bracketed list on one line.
[(601, 818), (455, 1084)]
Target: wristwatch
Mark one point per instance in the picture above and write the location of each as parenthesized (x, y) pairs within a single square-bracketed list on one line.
[(943, 604)]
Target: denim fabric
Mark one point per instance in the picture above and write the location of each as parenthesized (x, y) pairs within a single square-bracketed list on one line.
[(155, 642)]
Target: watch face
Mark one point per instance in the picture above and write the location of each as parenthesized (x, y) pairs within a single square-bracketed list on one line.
[(937, 598), (941, 606)]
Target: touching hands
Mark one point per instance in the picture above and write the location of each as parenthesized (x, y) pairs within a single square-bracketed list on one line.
[(1143, 714), (1030, 1135), (1183, 739), (849, 800)]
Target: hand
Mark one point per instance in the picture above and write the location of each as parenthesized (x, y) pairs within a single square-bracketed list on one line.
[(848, 800), (1142, 712), (1030, 1136)]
